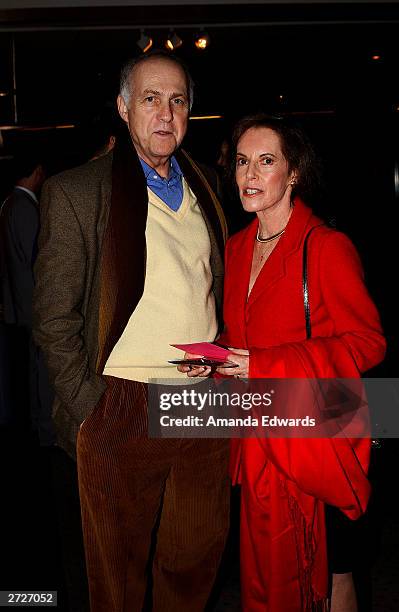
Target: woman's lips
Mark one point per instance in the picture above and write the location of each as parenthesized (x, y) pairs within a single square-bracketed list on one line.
[(250, 192)]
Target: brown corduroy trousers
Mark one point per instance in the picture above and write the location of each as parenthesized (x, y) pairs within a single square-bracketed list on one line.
[(134, 489)]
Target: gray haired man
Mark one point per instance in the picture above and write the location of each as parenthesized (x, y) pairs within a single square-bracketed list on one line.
[(130, 260)]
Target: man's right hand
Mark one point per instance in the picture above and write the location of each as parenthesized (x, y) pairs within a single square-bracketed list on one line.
[(193, 371)]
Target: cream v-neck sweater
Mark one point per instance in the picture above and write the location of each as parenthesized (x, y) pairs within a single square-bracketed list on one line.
[(177, 305)]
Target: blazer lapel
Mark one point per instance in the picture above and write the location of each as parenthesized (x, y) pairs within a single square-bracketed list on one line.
[(123, 248), (214, 219), (207, 200)]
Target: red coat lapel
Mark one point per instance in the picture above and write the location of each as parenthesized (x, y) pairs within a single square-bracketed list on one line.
[(275, 267), (239, 260)]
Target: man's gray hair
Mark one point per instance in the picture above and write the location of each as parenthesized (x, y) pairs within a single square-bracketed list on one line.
[(130, 65)]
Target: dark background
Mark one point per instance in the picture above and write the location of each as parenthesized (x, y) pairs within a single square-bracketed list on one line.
[(314, 61), (59, 68)]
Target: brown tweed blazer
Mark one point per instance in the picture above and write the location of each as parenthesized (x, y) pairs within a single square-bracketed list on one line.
[(93, 221)]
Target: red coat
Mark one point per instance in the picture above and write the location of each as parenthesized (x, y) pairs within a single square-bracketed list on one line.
[(286, 481)]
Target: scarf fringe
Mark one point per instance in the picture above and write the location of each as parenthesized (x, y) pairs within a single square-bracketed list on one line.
[(306, 551), (323, 605)]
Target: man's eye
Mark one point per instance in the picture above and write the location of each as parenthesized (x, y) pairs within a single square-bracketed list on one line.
[(179, 101), (149, 99)]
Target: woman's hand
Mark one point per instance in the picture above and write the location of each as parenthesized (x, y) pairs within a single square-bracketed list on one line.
[(241, 358), (193, 371)]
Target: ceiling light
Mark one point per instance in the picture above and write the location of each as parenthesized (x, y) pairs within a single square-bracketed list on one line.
[(144, 42), (202, 41), (173, 41)]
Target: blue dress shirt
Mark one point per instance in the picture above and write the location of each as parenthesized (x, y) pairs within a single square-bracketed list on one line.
[(170, 189)]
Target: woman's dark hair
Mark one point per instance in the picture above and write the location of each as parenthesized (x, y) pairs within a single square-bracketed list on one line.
[(295, 146)]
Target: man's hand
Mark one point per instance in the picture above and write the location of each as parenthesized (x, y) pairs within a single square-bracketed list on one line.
[(193, 371)]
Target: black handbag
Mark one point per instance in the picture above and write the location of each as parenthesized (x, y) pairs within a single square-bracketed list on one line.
[(305, 284)]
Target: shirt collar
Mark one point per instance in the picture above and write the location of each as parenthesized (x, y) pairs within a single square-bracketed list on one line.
[(175, 171), (28, 191)]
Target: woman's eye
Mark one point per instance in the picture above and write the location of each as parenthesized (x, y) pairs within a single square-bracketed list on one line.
[(241, 162), (267, 161)]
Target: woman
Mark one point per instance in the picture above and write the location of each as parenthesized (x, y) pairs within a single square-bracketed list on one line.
[(286, 483)]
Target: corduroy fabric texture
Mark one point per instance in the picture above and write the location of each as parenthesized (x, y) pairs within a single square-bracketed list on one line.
[(129, 485)]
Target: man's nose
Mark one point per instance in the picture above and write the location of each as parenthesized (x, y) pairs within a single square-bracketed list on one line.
[(165, 112)]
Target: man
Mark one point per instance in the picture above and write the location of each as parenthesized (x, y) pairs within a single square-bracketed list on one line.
[(20, 228), (100, 132), (130, 261)]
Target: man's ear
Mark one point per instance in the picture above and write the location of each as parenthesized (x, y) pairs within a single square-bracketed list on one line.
[(39, 176), (122, 108)]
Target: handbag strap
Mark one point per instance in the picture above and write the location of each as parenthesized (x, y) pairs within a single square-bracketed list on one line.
[(305, 283)]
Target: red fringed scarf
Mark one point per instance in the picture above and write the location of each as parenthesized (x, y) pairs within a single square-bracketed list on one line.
[(294, 478)]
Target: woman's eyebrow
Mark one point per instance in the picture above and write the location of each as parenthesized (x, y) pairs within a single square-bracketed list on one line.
[(261, 155)]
